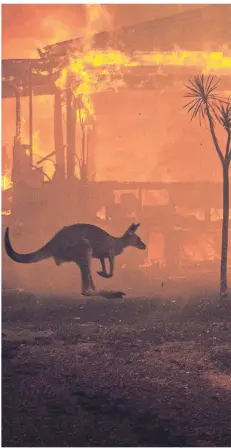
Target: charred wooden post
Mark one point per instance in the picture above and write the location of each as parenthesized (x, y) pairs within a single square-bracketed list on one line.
[(70, 132), (90, 157), (70, 161), (18, 117), (16, 173), (58, 133), (74, 107)]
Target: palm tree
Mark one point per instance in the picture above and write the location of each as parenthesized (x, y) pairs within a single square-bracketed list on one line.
[(205, 103)]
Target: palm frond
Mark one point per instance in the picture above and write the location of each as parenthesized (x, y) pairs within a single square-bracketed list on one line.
[(224, 109), (197, 108), (190, 102), (202, 92)]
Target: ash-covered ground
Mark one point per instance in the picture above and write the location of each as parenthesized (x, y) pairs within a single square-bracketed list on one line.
[(142, 371)]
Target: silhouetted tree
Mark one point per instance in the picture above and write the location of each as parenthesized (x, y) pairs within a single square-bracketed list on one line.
[(206, 103)]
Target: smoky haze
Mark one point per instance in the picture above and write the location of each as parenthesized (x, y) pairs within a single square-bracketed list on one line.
[(141, 135), (98, 129)]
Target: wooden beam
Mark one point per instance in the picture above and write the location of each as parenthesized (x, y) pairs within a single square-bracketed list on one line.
[(44, 74), (58, 133), (70, 135), (18, 117), (45, 158)]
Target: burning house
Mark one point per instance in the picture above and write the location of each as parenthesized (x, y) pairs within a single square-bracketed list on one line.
[(108, 92)]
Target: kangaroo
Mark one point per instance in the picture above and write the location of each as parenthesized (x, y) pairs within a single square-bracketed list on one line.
[(79, 243)]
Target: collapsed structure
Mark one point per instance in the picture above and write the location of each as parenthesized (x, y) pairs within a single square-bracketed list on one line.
[(73, 72)]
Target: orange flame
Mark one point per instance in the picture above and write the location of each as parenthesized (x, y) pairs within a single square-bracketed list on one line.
[(146, 264), (205, 61), (97, 71), (101, 213), (48, 165), (89, 81), (6, 182)]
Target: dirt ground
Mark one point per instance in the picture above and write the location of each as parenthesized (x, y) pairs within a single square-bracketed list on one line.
[(121, 372)]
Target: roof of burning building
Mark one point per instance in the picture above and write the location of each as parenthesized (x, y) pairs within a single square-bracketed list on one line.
[(202, 28), (205, 28)]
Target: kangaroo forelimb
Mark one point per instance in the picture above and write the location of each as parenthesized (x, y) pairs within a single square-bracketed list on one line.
[(104, 273)]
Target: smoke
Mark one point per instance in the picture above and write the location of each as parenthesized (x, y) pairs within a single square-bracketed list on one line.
[(27, 27), (98, 19)]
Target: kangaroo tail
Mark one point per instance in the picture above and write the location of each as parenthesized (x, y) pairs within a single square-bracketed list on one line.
[(33, 257)]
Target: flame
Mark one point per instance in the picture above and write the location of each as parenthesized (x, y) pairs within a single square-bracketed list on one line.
[(47, 165), (97, 71), (87, 81), (23, 126), (6, 213), (61, 81), (114, 58), (205, 61), (6, 182), (93, 71), (80, 64), (36, 142), (81, 115), (84, 86), (146, 264), (101, 213)]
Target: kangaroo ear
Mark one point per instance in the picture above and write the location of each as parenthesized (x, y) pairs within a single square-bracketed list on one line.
[(133, 228)]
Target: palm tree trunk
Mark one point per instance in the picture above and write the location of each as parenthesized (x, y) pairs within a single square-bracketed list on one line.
[(225, 230)]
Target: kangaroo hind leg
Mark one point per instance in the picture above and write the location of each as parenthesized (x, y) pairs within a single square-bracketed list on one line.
[(87, 282), (83, 260)]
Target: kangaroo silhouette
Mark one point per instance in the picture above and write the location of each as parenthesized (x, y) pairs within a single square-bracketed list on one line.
[(79, 243)]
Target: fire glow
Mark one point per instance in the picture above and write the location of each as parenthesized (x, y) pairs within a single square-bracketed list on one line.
[(206, 62), (6, 182), (97, 71)]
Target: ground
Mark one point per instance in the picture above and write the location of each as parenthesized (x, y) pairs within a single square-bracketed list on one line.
[(120, 372)]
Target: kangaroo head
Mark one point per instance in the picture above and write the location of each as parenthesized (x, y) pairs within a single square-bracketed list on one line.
[(131, 239)]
